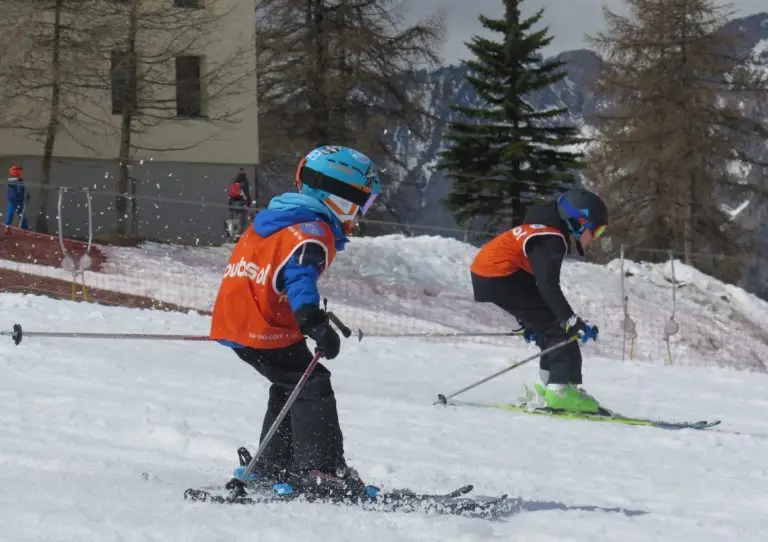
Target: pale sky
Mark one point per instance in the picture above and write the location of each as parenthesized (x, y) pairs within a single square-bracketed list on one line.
[(568, 20)]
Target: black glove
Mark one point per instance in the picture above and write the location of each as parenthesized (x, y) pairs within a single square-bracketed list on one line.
[(529, 336), (313, 322), (575, 326)]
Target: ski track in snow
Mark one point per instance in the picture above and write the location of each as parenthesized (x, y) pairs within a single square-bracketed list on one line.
[(82, 420)]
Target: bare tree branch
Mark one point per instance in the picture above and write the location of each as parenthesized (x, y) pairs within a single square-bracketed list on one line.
[(680, 130), (342, 72)]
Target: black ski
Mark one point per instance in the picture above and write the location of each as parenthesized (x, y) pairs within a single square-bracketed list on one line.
[(399, 500), (396, 500)]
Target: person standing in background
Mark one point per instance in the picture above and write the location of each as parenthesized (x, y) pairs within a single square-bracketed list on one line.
[(17, 198), (245, 185), (239, 202)]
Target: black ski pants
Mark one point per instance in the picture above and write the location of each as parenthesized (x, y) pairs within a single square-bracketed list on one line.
[(309, 437), (518, 295)]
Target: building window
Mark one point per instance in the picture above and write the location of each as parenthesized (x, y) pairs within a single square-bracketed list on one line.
[(123, 79), (189, 92), (188, 3)]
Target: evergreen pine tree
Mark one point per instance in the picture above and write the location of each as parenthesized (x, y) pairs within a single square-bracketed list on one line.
[(505, 153)]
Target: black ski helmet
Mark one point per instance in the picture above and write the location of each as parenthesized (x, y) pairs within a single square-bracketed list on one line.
[(582, 209)]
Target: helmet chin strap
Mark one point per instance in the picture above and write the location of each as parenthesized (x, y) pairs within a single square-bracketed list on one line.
[(576, 238), (348, 226), (579, 248), (347, 222)]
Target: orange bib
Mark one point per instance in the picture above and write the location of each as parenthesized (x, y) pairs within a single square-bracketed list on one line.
[(249, 309), (505, 253)]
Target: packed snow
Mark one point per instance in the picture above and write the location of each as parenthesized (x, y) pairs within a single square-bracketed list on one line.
[(101, 438)]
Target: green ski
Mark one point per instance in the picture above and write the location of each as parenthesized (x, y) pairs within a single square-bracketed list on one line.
[(604, 416)]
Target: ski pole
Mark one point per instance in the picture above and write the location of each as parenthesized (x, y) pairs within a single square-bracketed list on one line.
[(17, 334), (335, 319), (443, 399), (439, 335)]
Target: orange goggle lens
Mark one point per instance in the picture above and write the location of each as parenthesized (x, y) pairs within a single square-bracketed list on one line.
[(598, 232)]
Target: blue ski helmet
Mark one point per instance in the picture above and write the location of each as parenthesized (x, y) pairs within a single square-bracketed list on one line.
[(583, 210), (343, 179)]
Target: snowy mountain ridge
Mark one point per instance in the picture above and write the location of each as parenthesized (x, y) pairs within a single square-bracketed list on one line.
[(423, 187)]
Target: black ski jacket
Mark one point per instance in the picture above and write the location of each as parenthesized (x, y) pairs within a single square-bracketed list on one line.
[(546, 254)]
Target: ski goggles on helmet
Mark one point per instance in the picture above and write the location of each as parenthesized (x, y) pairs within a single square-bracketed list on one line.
[(344, 198), (578, 222), (598, 232)]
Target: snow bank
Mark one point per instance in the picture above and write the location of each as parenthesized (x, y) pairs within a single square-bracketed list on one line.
[(396, 284)]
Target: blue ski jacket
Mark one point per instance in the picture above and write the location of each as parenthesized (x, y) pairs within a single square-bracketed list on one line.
[(16, 191)]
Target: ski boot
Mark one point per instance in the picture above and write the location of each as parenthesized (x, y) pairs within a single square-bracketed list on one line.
[(259, 479), (343, 485), (570, 398), (534, 399)]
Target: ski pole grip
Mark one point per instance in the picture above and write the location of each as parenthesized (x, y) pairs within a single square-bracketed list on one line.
[(335, 319), (17, 334), (339, 324)]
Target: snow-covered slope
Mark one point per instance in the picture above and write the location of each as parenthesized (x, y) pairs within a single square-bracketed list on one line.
[(100, 438)]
